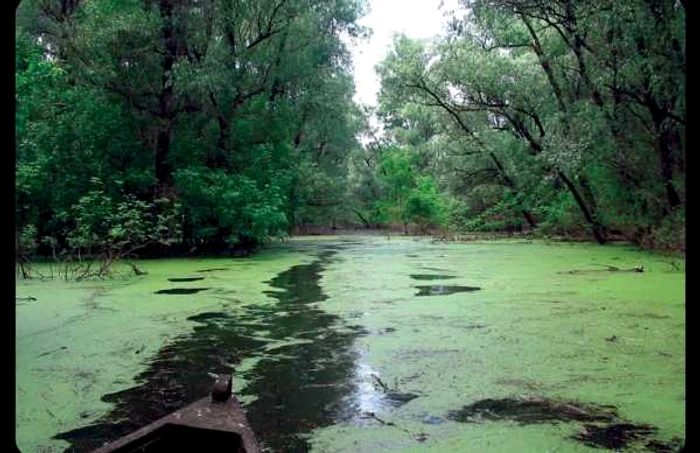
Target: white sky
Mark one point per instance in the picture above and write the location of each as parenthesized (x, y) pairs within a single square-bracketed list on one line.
[(415, 18)]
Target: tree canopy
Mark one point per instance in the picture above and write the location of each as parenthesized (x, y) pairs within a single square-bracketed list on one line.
[(225, 119), (569, 115), (219, 124)]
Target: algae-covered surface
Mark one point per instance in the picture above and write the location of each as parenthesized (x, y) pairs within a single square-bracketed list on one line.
[(369, 344)]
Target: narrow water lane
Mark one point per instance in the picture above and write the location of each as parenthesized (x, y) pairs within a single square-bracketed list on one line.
[(301, 385)]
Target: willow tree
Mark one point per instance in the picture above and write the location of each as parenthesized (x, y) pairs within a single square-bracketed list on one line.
[(584, 99)]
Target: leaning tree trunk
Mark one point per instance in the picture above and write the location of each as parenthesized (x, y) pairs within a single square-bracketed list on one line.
[(596, 228), (511, 186), (587, 211), (665, 149)]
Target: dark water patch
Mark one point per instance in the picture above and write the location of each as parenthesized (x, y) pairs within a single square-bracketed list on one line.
[(431, 276), (413, 255), (673, 446), (614, 436), (298, 387), (443, 290), (180, 291), (214, 269), (529, 412), (398, 399), (202, 317), (185, 279), (601, 426), (308, 385), (176, 376)]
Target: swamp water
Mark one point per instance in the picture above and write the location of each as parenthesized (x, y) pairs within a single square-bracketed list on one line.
[(332, 349)]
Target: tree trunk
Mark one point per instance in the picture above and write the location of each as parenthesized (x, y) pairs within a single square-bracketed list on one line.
[(586, 210), (511, 186), (162, 149), (163, 170), (665, 147), (362, 218), (596, 228)]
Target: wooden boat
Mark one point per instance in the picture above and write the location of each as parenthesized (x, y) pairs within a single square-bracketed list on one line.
[(216, 421)]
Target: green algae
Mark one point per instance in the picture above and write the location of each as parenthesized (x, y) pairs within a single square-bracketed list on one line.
[(111, 330), (531, 332), (540, 334)]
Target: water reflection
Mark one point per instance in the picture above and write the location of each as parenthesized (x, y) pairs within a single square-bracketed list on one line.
[(373, 396), (303, 384)]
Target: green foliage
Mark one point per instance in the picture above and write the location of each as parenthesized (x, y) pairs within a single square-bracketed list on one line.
[(502, 216), (101, 223), (222, 208), (560, 216), (424, 205), (670, 235), (232, 121), (392, 190), (564, 116)]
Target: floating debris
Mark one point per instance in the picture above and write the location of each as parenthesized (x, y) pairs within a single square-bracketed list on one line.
[(637, 268), (29, 299)]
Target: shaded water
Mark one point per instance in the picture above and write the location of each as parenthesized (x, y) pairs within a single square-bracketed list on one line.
[(443, 290), (532, 411), (431, 277), (180, 291), (185, 279), (602, 427), (305, 384)]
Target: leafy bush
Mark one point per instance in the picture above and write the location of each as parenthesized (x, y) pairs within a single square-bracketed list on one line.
[(669, 235), (424, 206), (230, 209), (100, 223)]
